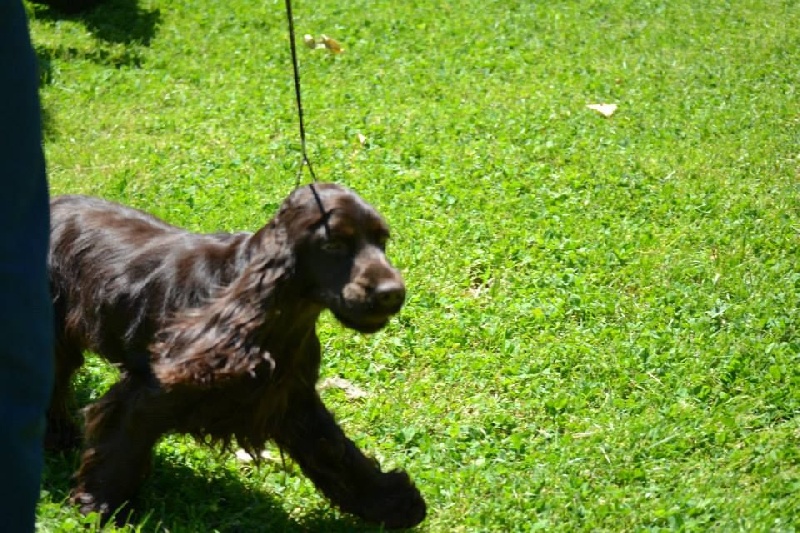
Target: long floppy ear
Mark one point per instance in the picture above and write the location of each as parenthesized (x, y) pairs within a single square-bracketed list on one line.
[(220, 342)]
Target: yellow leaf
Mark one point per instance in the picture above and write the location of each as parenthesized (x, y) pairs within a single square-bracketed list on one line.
[(331, 44)]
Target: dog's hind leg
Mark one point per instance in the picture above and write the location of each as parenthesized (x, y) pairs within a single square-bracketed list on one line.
[(119, 436), (62, 431), (351, 480)]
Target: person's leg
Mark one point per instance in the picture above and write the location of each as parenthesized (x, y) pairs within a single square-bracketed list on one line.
[(26, 328)]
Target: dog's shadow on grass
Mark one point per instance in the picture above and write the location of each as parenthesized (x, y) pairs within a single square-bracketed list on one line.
[(112, 21), (178, 498)]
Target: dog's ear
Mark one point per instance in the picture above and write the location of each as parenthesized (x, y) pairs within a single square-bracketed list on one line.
[(272, 261), (195, 369), (215, 345), (220, 342)]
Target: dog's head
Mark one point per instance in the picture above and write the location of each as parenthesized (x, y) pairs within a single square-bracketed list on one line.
[(339, 244)]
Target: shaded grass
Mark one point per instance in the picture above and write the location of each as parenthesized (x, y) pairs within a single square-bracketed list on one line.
[(601, 331)]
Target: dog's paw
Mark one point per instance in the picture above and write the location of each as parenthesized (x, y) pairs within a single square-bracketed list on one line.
[(396, 503), (88, 503)]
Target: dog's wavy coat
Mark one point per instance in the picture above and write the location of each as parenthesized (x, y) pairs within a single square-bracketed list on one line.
[(215, 336)]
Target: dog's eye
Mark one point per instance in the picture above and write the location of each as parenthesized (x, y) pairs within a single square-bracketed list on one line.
[(335, 246)]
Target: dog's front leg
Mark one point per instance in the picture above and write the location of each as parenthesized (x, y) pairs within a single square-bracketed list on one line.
[(351, 480)]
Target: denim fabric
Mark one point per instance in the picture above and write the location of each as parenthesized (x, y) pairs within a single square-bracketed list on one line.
[(26, 330)]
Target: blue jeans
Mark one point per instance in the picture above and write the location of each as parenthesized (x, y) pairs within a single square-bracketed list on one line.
[(26, 329)]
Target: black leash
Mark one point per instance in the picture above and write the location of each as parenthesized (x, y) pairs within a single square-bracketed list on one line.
[(305, 160)]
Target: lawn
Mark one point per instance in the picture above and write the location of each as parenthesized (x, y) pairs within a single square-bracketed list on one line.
[(602, 330)]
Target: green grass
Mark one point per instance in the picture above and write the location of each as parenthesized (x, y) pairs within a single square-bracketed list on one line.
[(602, 328)]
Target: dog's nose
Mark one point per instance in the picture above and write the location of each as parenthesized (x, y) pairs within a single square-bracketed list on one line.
[(390, 295)]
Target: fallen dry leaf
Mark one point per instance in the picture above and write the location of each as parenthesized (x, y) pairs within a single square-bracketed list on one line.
[(604, 109), (324, 42), (351, 391), (331, 44)]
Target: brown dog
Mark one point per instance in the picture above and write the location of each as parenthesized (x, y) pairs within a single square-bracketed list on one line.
[(215, 336)]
